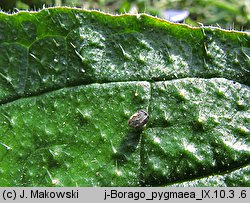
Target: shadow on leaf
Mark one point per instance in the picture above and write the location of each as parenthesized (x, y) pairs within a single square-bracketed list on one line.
[(128, 145)]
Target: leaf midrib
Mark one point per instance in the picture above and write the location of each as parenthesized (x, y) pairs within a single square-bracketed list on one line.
[(81, 84)]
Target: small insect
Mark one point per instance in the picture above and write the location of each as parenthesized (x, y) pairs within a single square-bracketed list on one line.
[(138, 119)]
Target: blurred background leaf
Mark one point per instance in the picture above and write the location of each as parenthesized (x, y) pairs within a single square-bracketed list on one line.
[(228, 14)]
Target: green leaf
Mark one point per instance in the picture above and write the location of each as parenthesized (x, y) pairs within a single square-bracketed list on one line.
[(235, 178), (70, 80)]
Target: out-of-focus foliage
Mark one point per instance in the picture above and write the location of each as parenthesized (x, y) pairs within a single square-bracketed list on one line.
[(229, 14)]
